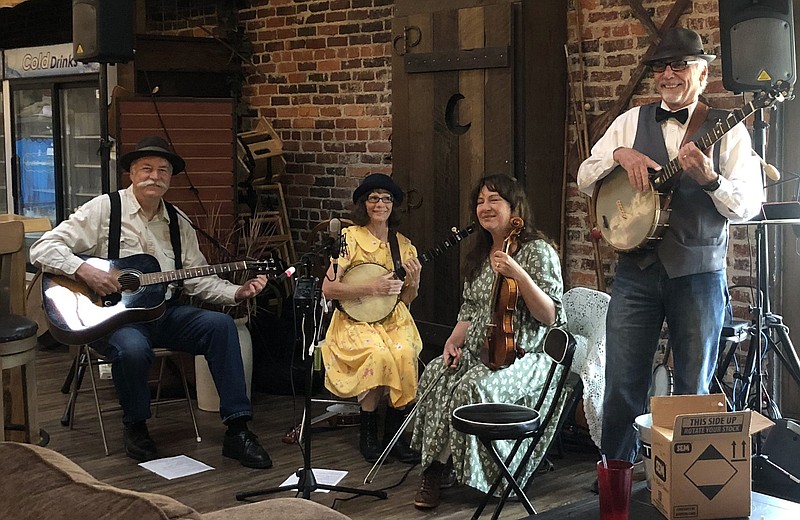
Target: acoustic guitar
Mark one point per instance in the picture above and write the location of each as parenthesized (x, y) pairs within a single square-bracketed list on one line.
[(629, 219), (78, 315), (372, 309)]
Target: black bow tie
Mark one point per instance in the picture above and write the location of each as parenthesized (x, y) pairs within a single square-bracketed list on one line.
[(681, 115)]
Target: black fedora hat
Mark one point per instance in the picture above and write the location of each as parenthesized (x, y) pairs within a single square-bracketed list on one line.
[(679, 43), (378, 181), (152, 146)]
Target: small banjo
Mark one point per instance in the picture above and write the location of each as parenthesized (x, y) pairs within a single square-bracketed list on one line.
[(371, 309), (629, 219)]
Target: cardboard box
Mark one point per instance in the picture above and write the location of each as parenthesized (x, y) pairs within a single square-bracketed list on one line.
[(701, 457)]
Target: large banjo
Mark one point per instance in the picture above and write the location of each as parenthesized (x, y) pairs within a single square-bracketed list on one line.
[(372, 309), (629, 219)]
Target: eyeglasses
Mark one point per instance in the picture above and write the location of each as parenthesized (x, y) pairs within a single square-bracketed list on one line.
[(676, 66), (374, 199)]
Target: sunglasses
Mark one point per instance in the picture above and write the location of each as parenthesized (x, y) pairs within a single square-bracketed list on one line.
[(676, 66)]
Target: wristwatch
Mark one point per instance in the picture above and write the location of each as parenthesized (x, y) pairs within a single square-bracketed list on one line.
[(712, 186)]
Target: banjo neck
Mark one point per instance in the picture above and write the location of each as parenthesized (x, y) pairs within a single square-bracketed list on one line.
[(668, 172)]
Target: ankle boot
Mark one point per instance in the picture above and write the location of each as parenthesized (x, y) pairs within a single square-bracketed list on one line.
[(401, 450), (428, 494), (368, 443)]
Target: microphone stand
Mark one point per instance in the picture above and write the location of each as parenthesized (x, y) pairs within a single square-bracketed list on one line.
[(765, 472), (307, 300)]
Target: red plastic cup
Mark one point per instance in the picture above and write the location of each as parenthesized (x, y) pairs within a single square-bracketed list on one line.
[(614, 485)]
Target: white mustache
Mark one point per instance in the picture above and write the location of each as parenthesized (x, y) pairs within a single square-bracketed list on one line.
[(151, 182)]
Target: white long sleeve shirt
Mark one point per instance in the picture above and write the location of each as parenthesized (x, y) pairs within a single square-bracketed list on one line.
[(85, 232), (740, 193)]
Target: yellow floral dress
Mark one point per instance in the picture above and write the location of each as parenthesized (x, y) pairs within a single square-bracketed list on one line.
[(360, 356)]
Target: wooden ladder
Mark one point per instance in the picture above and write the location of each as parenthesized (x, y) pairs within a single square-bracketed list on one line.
[(270, 223)]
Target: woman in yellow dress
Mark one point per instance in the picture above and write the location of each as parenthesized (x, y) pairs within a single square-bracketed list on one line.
[(370, 360)]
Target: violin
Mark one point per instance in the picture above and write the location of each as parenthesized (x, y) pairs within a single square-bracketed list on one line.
[(499, 348)]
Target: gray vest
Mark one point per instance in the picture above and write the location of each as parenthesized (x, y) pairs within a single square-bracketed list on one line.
[(696, 240)]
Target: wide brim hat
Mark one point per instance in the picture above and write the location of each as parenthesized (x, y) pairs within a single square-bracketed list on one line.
[(149, 147), (378, 181), (679, 43)]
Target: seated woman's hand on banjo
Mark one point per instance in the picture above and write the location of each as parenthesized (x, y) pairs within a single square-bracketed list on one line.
[(387, 285)]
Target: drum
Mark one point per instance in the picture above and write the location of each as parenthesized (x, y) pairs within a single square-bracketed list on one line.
[(662, 381)]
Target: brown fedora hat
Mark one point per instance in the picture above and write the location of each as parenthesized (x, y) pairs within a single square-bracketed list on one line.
[(679, 43), (152, 146)]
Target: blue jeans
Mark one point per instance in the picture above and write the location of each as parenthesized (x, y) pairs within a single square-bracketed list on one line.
[(694, 307), (186, 329)]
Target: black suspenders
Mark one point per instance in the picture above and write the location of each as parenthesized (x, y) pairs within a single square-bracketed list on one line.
[(115, 229)]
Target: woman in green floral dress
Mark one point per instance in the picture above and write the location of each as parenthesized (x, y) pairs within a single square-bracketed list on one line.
[(537, 270)]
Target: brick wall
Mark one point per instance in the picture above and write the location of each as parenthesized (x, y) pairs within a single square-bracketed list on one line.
[(613, 42), (321, 74), (322, 77)]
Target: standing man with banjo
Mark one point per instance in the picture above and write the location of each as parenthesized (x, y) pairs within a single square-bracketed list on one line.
[(366, 358), (682, 279)]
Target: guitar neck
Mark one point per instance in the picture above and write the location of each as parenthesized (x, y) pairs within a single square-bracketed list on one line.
[(721, 127), (193, 272)]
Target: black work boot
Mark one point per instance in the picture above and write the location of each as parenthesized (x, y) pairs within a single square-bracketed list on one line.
[(401, 450), (138, 444), (368, 443)]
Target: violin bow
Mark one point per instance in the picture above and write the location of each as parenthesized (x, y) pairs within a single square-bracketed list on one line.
[(378, 463)]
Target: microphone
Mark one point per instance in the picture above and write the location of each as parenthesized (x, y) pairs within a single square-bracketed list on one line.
[(335, 234), (771, 171)]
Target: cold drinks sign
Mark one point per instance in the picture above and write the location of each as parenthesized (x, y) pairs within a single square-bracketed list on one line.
[(51, 60)]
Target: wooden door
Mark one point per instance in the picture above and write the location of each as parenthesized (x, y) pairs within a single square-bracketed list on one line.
[(454, 120)]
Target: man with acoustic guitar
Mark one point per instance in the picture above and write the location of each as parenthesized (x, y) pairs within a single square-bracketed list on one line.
[(681, 279), (137, 220)]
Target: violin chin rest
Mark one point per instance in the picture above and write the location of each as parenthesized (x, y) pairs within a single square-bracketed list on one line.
[(558, 343)]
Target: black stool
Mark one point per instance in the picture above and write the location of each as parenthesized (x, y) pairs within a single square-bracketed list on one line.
[(499, 421)]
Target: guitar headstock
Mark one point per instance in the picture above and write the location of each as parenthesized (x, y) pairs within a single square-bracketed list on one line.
[(268, 267), (777, 93)]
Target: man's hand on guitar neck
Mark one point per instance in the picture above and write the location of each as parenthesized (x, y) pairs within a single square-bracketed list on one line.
[(637, 165), (251, 288), (101, 282)]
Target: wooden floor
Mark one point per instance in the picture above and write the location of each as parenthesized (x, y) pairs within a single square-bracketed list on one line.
[(274, 415)]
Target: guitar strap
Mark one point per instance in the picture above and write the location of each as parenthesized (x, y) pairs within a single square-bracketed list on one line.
[(115, 230), (698, 118), (394, 247)]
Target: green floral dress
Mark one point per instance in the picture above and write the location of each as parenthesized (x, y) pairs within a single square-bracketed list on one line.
[(473, 382)]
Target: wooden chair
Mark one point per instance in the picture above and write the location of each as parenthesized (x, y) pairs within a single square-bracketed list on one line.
[(17, 333), (500, 421), (86, 358)]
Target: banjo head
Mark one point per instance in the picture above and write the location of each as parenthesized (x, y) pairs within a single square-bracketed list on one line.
[(627, 219), (369, 309)]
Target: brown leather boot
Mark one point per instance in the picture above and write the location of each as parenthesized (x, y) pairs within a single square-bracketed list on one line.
[(427, 496)]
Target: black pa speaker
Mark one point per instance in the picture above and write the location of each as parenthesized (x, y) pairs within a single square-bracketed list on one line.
[(757, 40), (777, 471), (102, 31)]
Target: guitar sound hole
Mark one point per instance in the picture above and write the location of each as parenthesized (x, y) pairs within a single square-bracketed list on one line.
[(129, 282)]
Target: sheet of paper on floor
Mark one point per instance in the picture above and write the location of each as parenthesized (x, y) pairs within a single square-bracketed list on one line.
[(175, 467), (330, 477)]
